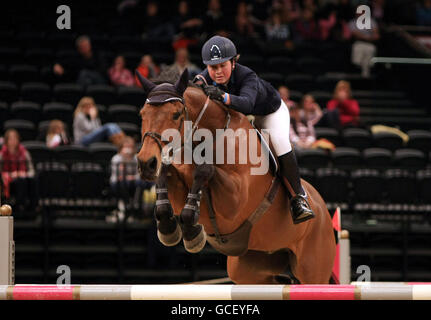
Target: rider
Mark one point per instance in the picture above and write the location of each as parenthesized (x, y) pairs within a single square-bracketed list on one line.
[(239, 88)]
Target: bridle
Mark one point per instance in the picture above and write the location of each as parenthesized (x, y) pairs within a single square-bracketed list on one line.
[(157, 137)]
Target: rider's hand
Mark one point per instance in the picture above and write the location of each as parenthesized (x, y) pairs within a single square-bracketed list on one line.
[(214, 93)]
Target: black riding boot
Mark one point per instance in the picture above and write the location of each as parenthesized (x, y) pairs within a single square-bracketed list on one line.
[(301, 210)]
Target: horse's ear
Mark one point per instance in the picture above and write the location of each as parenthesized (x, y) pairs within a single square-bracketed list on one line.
[(147, 85), (182, 82)]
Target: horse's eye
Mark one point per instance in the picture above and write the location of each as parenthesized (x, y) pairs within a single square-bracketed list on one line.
[(177, 115)]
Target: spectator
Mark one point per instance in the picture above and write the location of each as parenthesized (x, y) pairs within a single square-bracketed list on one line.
[(332, 27), (306, 27), (119, 74), (17, 172), (155, 27), (243, 21), (275, 30), (318, 118), (182, 62), (125, 181), (363, 48), (302, 133), (347, 107), (214, 21), (147, 68), (423, 13), (285, 96), (185, 24), (56, 135), (87, 126), (89, 67)]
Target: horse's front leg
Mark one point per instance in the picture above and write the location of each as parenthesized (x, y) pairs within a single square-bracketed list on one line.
[(194, 236), (168, 229)]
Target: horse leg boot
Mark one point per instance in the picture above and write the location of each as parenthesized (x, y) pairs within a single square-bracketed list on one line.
[(168, 229), (194, 236), (300, 208)]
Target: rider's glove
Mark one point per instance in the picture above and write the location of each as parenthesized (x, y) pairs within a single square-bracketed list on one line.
[(214, 93)]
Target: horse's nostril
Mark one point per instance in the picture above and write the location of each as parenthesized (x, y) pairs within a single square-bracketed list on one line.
[(152, 163)]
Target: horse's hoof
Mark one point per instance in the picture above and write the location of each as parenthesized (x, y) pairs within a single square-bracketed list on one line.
[(171, 239), (196, 244)]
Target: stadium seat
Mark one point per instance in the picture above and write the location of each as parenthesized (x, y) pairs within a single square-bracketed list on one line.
[(87, 180), (377, 157), (419, 139), (307, 174), (133, 96), (123, 113), (357, 138), (274, 78), (314, 66), (26, 129), (53, 180), (344, 156), (253, 61), (68, 93), (26, 110), (321, 98), (8, 91), (132, 59), (72, 153), (332, 184), (36, 91), (39, 56), (410, 158), (24, 73), (102, 94), (11, 55), (281, 65), (300, 82), (388, 140), (401, 186), (130, 129), (58, 110), (102, 152), (368, 185), (330, 134), (312, 157), (424, 181), (4, 114), (39, 151)]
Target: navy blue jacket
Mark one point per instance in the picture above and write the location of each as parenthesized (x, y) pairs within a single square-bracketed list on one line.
[(249, 94)]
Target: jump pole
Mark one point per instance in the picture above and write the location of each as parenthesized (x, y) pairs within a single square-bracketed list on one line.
[(7, 246)]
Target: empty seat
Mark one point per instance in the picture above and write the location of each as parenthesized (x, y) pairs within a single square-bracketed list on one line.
[(24, 73), (419, 139), (424, 181), (401, 186), (332, 184), (357, 138), (87, 180), (330, 134), (102, 152), (71, 154), (102, 94), (26, 110), (39, 56), (53, 180), (36, 91), (368, 185), (58, 110), (311, 65), (377, 157), (409, 158), (4, 113), (123, 113), (312, 157), (344, 156), (307, 174), (8, 91), (67, 92), (254, 61), (388, 140), (26, 129), (300, 82), (281, 65), (132, 96), (39, 151), (321, 97), (274, 78)]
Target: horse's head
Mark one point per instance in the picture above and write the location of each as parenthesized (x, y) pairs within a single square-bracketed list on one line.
[(164, 109)]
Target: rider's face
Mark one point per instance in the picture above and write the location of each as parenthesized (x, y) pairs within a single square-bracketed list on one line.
[(220, 73)]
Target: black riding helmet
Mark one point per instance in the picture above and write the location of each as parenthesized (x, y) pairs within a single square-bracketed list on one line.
[(218, 50)]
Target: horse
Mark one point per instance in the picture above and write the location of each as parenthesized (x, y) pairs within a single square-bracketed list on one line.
[(242, 215)]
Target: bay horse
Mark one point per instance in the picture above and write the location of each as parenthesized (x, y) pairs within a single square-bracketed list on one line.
[(246, 217)]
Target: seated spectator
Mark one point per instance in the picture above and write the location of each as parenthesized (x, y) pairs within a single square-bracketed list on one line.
[(87, 127), (147, 68), (347, 107), (302, 134), (119, 74), (306, 27), (125, 181), (182, 62), (332, 27), (364, 48), (276, 30), (56, 134), (285, 96), (312, 112), (17, 173), (244, 21), (89, 68), (185, 24), (423, 13)]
